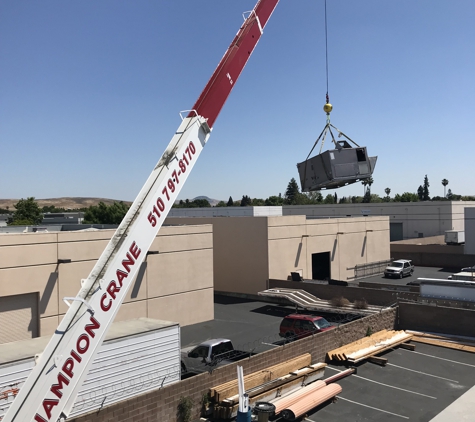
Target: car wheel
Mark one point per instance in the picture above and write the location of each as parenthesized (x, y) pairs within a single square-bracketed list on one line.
[(289, 336), (183, 369), (400, 274)]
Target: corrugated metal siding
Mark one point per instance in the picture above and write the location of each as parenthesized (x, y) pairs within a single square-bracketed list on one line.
[(123, 368), (18, 317)]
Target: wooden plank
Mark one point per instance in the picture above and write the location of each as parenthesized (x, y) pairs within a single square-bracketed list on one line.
[(383, 349), (447, 344), (460, 339), (257, 378), (378, 360), (408, 346)]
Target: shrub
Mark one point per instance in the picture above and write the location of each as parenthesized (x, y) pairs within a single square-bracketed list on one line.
[(361, 304), (339, 302), (184, 408)]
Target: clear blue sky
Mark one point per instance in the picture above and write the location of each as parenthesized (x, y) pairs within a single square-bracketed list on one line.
[(90, 93)]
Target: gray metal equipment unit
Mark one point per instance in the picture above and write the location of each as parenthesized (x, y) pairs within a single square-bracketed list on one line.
[(337, 167)]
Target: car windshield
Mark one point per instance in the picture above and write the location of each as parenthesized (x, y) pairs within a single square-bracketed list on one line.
[(322, 323), (397, 264)]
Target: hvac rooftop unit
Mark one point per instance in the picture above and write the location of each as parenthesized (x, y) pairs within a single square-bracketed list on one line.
[(337, 167)]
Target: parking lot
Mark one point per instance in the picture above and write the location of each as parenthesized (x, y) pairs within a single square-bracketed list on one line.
[(419, 272), (414, 385)]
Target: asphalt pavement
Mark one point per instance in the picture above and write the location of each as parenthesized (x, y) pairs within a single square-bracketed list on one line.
[(419, 272)]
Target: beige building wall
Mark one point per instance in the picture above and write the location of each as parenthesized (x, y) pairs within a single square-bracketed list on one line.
[(175, 284), (240, 249), (348, 241), (248, 251)]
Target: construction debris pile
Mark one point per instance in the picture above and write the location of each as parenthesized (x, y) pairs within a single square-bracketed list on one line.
[(266, 385)]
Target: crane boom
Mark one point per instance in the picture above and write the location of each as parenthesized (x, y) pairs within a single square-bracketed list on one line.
[(51, 389)]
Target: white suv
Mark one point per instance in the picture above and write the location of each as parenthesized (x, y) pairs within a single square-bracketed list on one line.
[(399, 268)]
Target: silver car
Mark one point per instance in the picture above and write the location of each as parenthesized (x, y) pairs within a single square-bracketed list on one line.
[(399, 268)]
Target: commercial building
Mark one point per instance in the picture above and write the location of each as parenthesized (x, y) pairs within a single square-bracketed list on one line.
[(407, 220), (186, 263), (248, 251), (37, 270)]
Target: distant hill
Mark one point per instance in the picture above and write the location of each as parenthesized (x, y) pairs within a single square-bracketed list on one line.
[(212, 201), (67, 203), (73, 203)]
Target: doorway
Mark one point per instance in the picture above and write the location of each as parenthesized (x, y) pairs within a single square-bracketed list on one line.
[(321, 266), (395, 232)]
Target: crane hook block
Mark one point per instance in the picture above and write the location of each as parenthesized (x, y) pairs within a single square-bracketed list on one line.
[(327, 108)]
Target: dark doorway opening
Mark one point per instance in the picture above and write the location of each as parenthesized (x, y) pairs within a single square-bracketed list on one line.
[(395, 232), (321, 266)]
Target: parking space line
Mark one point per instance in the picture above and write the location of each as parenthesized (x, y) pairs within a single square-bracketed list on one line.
[(423, 373), (387, 385), (374, 408), (436, 357), (270, 344)]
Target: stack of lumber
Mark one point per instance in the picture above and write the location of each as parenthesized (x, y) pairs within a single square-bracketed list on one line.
[(369, 346), (261, 384)]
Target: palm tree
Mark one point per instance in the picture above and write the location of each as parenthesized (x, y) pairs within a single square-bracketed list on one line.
[(387, 191), (367, 182), (445, 182), (370, 181), (364, 183)]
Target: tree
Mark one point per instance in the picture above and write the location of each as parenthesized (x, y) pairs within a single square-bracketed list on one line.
[(105, 214), (274, 201), (329, 199), (367, 182), (406, 197), (27, 212), (445, 182), (387, 191), (257, 202), (376, 198), (196, 203), (201, 203), (230, 202), (246, 201), (221, 204), (52, 208), (420, 193), (292, 192), (315, 197), (367, 195), (364, 182), (453, 196), (425, 196), (344, 200)]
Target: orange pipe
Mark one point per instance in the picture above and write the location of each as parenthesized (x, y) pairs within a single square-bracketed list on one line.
[(287, 401), (310, 401)]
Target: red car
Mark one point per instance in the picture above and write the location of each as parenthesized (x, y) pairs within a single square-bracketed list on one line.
[(299, 325)]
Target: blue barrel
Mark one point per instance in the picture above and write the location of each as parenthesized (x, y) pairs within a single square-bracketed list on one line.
[(244, 416)]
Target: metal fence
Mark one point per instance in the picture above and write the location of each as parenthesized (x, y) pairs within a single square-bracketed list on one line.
[(368, 270)]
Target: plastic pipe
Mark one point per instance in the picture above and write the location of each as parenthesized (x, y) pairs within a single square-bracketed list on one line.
[(310, 401), (287, 401)]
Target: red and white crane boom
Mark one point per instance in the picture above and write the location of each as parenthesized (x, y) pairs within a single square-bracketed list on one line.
[(51, 389)]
